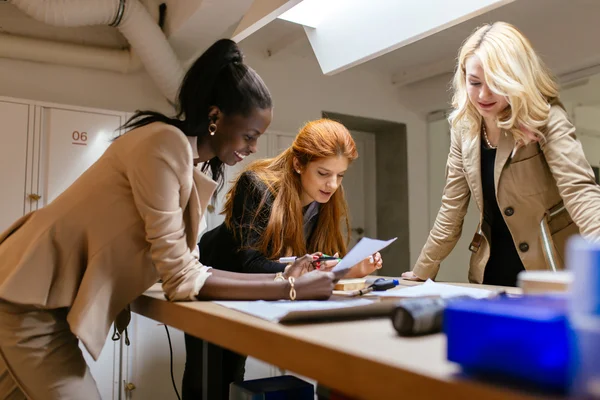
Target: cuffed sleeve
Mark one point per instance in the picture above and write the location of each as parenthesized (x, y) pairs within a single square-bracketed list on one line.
[(199, 282)]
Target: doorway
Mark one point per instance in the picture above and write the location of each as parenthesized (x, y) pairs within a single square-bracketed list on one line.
[(384, 194)]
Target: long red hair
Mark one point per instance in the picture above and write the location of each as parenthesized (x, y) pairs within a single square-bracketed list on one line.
[(284, 232)]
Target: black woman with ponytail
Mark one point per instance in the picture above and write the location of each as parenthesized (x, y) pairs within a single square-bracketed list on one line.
[(69, 269), (219, 92)]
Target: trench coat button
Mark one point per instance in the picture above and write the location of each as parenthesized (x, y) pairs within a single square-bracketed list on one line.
[(509, 211), (523, 247)]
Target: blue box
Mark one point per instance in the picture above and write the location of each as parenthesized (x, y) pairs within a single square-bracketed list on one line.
[(286, 387), (525, 339)]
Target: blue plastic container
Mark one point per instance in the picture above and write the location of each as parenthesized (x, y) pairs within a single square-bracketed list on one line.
[(285, 387), (525, 339), (583, 258)]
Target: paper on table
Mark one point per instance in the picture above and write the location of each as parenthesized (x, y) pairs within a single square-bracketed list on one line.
[(363, 249), (277, 310), (430, 288)]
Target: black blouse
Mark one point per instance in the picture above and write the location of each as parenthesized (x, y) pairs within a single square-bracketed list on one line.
[(504, 263), (219, 247)]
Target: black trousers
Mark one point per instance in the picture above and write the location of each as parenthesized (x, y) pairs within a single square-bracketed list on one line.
[(223, 367)]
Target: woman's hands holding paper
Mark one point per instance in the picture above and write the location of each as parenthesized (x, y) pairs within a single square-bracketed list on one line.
[(366, 267), (310, 262)]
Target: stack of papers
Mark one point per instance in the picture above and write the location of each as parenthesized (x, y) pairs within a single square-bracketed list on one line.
[(365, 307), (296, 311), (302, 311), (432, 289)]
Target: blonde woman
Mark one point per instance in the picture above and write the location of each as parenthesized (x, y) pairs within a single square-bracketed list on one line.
[(514, 151)]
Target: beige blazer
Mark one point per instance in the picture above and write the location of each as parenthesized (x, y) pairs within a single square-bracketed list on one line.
[(130, 219), (541, 189)]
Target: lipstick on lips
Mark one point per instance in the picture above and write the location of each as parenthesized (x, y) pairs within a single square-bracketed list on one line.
[(486, 106)]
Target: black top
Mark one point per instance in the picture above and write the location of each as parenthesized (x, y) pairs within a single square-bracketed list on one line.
[(504, 263), (220, 249)]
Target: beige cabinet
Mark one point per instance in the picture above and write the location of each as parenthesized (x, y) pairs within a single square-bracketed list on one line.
[(15, 117)]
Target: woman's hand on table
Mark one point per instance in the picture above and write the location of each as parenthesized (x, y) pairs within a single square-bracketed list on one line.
[(314, 285), (410, 276)]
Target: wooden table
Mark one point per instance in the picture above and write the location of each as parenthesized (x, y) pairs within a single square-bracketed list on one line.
[(365, 359)]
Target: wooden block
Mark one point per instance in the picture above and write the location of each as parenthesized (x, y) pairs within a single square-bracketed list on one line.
[(350, 284), (544, 281)]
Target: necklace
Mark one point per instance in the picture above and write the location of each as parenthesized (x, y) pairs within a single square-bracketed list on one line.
[(485, 137)]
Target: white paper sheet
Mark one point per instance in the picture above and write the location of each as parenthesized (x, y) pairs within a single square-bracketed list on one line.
[(277, 310), (363, 249), (430, 288)]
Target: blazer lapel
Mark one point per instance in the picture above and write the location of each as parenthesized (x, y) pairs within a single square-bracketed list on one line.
[(202, 189), (472, 167), (506, 144), (205, 188)]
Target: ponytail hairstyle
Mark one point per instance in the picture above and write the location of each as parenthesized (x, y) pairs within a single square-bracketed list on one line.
[(217, 78)]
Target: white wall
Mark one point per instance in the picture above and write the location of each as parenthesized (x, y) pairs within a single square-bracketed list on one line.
[(591, 148), (301, 92), (583, 105), (586, 94), (587, 123)]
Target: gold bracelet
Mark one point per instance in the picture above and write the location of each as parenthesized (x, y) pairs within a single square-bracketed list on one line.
[(279, 277), (292, 289)]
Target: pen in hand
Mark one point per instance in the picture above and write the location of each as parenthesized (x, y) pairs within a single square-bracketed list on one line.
[(324, 257)]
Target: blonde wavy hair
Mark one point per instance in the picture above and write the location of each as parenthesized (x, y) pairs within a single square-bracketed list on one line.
[(512, 69)]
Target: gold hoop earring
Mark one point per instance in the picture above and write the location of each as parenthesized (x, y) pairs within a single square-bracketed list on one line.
[(212, 129)]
